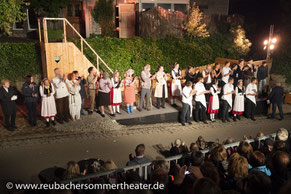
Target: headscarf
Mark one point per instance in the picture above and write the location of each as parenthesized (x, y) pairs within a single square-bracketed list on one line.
[(129, 72)]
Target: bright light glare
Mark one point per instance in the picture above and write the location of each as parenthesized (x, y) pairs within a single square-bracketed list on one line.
[(274, 40), (272, 46), (265, 47), (265, 42)]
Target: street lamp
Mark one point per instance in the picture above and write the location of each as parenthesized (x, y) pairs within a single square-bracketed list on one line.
[(269, 44)]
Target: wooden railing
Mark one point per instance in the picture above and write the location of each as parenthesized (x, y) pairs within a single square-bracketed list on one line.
[(83, 41)]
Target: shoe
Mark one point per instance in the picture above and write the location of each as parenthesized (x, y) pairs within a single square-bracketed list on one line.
[(213, 121), (90, 112), (238, 117), (189, 123), (14, 127), (163, 107), (280, 119), (47, 124), (148, 109), (270, 117), (227, 120), (158, 107), (183, 124), (196, 121), (61, 122), (234, 118), (175, 105), (205, 122), (223, 121), (82, 113), (102, 115), (53, 123), (113, 115), (10, 128), (131, 109), (253, 119), (139, 109), (118, 112)]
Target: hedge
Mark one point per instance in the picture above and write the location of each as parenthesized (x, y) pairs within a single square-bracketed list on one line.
[(19, 59), (123, 54)]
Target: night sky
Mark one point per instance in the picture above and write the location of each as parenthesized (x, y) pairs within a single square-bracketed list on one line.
[(259, 15)]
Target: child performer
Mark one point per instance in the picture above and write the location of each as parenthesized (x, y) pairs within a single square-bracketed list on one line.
[(48, 104), (213, 106), (227, 99), (239, 101), (116, 97), (129, 90), (251, 103), (176, 88), (200, 100), (187, 97)]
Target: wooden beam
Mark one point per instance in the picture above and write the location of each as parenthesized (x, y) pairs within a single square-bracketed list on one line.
[(45, 35), (39, 29), (65, 31)]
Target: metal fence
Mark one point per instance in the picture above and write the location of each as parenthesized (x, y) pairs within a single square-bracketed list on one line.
[(143, 167)]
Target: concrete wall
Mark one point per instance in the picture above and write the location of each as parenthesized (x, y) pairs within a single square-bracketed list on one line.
[(91, 27)]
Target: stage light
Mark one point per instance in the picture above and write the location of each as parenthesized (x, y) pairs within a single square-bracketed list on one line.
[(272, 46), (265, 47), (265, 42), (274, 40)]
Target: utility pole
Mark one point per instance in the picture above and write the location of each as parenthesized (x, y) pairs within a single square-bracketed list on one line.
[(269, 42)]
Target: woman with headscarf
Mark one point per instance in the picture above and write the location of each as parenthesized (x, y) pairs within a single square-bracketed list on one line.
[(161, 92), (48, 104), (239, 101), (129, 90), (75, 100), (115, 95), (105, 86)]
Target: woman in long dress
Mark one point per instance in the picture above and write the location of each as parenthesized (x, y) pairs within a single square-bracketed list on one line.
[(129, 90), (213, 106), (161, 91), (175, 86), (75, 100), (115, 95), (239, 101), (48, 104)]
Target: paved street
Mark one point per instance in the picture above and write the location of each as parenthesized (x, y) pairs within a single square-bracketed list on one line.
[(23, 157)]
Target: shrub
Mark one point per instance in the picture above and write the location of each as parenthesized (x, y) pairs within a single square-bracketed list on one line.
[(19, 59)]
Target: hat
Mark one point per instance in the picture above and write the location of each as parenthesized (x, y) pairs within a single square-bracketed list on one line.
[(178, 142), (129, 72)]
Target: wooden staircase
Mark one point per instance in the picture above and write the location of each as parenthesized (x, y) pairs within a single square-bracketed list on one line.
[(65, 55)]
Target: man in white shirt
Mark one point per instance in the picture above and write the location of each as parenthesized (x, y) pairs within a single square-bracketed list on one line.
[(187, 97), (251, 93), (200, 100), (226, 72), (228, 91), (62, 96)]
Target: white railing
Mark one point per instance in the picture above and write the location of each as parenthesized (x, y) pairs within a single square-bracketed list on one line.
[(66, 22), (143, 167)]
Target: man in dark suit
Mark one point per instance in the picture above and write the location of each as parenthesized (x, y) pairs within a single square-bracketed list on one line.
[(276, 98), (7, 98)]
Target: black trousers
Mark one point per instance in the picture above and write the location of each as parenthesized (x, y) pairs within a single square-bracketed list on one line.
[(207, 87), (32, 111), (185, 113), (10, 119), (63, 112), (199, 108), (161, 101), (250, 109), (225, 108)]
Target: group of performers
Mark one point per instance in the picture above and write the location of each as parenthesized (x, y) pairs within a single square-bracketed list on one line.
[(214, 89)]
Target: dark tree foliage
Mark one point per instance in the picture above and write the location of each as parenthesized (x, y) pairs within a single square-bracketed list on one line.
[(51, 8)]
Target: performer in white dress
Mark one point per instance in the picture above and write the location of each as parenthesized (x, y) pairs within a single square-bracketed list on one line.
[(115, 95), (200, 100), (239, 101), (251, 92), (75, 100), (48, 104), (161, 91), (228, 91), (175, 86), (213, 106)]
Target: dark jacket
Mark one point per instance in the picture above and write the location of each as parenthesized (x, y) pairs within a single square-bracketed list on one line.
[(276, 96), (262, 72), (8, 106), (83, 91), (27, 92)]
